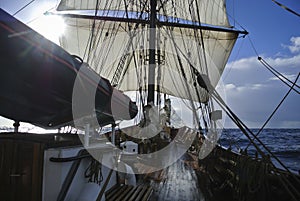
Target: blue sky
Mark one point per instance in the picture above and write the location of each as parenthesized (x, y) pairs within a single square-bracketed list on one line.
[(251, 91)]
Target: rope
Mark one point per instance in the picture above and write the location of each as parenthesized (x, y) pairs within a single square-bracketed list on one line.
[(270, 117), (246, 131), (102, 191), (237, 121), (93, 30), (23, 7), (278, 74), (232, 141), (286, 8), (94, 172), (202, 39), (252, 178), (192, 69), (184, 75)]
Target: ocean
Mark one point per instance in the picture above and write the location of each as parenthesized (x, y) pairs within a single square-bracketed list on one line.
[(283, 143)]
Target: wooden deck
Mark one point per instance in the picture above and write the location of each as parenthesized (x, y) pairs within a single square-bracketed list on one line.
[(179, 182)]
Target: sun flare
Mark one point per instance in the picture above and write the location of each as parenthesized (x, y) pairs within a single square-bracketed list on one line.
[(50, 26)]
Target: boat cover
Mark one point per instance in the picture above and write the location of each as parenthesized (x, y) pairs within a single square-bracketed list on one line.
[(37, 80)]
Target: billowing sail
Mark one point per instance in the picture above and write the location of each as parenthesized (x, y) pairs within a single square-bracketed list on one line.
[(190, 36), (208, 11)]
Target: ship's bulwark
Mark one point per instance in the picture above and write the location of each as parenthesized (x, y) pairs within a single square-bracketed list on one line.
[(37, 79)]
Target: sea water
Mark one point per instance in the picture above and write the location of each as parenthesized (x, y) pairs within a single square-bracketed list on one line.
[(283, 143)]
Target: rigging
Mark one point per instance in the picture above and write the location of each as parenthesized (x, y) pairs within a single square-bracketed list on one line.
[(25, 6), (292, 87), (286, 8)]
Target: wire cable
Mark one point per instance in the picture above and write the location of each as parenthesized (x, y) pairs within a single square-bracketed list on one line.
[(279, 75), (23, 7), (276, 73), (286, 8), (270, 117)]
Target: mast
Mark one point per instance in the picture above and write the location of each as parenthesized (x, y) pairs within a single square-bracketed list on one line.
[(176, 19), (152, 49)]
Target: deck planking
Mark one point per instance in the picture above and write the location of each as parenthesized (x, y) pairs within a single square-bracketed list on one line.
[(179, 183)]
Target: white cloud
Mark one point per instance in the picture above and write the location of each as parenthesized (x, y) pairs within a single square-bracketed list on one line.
[(253, 93), (295, 46), (256, 86), (284, 61), (232, 87), (278, 61), (290, 77), (243, 64), (249, 71)]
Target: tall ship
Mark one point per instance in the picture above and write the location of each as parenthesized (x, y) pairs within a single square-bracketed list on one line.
[(132, 91)]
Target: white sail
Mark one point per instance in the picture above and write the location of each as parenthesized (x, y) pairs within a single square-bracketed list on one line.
[(209, 11), (115, 42)]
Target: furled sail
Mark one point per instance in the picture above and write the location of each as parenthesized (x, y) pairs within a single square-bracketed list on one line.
[(191, 36)]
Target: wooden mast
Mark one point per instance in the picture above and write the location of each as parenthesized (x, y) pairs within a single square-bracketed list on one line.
[(152, 49)]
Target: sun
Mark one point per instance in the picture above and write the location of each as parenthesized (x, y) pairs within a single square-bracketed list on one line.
[(50, 26)]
